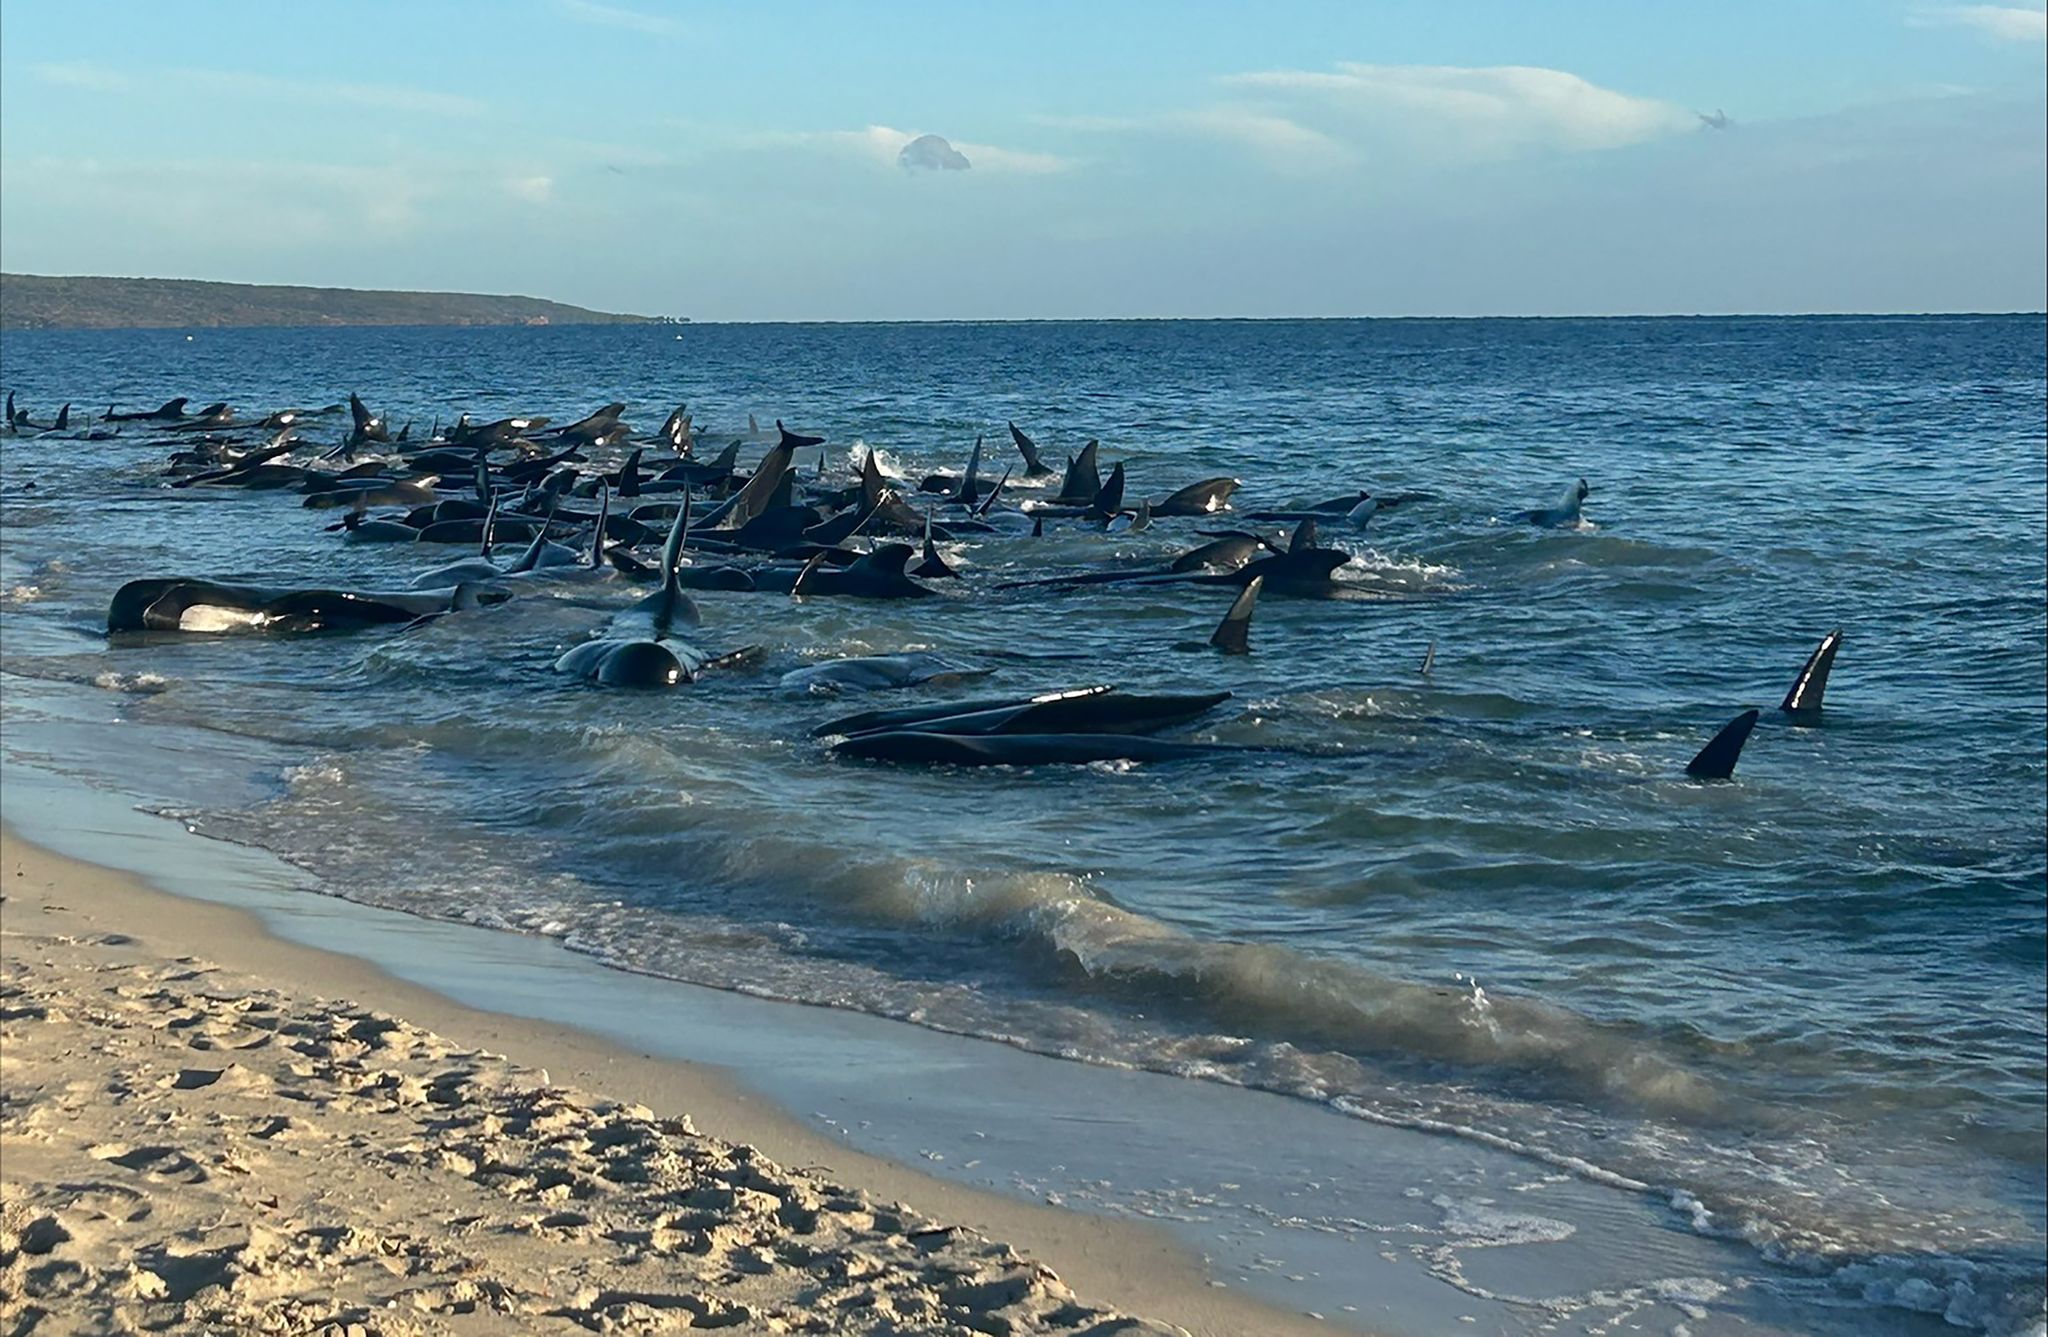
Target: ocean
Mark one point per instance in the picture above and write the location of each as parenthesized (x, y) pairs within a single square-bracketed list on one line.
[(1807, 1006)]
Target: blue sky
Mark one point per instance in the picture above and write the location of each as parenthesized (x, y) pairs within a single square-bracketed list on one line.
[(1122, 158)]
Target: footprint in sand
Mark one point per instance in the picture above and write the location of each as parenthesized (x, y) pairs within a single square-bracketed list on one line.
[(164, 1161)]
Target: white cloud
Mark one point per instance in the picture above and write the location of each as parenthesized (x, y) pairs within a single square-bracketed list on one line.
[(2005, 23), (1279, 140), (532, 189), (1489, 111), (1272, 138), (82, 74), (989, 158), (612, 16)]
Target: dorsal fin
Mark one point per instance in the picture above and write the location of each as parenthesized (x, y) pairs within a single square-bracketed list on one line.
[(1812, 683), (1082, 481), (967, 481), (727, 458), (1304, 537), (629, 475), (1716, 760), (753, 427), (870, 482), (483, 477), (1142, 521), (1038, 526), (1109, 499), (672, 551), (988, 503), (1429, 660), (604, 515), (1233, 633)]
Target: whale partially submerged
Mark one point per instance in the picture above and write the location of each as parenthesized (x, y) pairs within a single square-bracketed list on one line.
[(207, 606)]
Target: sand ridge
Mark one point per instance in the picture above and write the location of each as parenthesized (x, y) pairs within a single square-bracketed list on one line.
[(185, 1149)]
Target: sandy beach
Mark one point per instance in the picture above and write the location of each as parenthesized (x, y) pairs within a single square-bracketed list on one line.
[(207, 1127)]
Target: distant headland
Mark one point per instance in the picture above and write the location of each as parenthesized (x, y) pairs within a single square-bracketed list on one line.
[(34, 301)]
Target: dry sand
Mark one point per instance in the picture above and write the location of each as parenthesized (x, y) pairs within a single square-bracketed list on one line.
[(197, 1133)]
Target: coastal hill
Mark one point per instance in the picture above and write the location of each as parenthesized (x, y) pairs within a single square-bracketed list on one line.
[(33, 301)]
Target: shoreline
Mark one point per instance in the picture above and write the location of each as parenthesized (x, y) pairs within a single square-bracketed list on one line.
[(1130, 1267), (1362, 1224)]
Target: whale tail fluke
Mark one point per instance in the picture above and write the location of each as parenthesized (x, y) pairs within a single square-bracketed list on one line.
[(1233, 634), (1716, 761), (1804, 700)]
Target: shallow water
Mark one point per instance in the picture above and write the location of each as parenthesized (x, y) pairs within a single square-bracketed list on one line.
[(1811, 1000)]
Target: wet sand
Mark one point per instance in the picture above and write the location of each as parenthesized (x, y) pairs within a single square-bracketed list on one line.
[(199, 1130)]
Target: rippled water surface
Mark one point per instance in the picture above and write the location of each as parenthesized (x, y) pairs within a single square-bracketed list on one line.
[(1811, 999)]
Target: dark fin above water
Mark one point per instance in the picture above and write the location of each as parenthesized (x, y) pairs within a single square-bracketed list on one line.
[(1034, 467), (1083, 480), (933, 567), (1429, 660), (803, 577), (870, 483), (1304, 537), (1717, 759), (1233, 634), (795, 440), (988, 502), (969, 485), (604, 515), (1812, 683), (1109, 499)]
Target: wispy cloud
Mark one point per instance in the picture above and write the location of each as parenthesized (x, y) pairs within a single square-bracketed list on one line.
[(2004, 23), (531, 189), (1315, 121), (249, 83), (81, 74), (375, 97), (1270, 137), (613, 16), (1485, 111)]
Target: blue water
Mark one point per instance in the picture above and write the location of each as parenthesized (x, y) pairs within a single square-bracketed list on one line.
[(1812, 1000)]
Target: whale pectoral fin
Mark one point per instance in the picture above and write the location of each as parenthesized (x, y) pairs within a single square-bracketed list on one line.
[(1716, 761), (1233, 634), (803, 577)]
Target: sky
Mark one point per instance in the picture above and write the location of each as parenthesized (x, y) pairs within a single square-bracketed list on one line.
[(1107, 158)]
